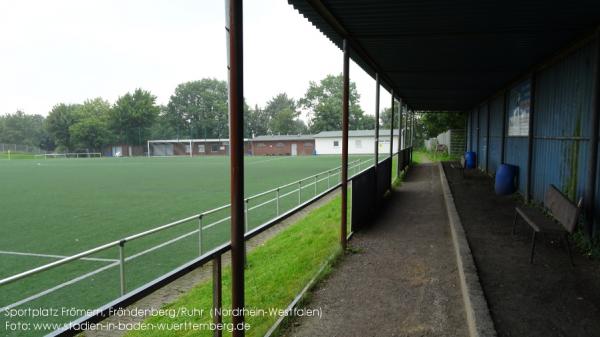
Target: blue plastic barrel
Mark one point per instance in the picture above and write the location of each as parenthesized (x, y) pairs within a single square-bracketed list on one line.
[(470, 159), (506, 177)]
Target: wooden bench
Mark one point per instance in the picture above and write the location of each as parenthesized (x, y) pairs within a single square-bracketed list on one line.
[(561, 222)]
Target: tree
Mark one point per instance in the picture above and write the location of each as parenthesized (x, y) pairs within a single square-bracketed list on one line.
[(90, 133), (163, 128), (20, 128), (435, 123), (385, 117), (132, 115), (286, 122), (198, 109), (59, 121), (257, 122), (91, 130), (283, 116), (324, 103)]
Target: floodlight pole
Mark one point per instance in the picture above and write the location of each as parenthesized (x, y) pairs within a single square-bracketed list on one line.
[(234, 28), (344, 173)]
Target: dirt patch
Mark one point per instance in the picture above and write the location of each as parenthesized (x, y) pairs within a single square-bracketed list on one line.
[(548, 298)]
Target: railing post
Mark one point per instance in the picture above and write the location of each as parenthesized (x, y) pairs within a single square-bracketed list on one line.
[(277, 197), (200, 235), (277, 200), (122, 266), (217, 295), (246, 214), (329, 179), (299, 192), (316, 179)]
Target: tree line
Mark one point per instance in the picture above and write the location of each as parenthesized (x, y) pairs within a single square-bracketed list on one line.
[(197, 109)]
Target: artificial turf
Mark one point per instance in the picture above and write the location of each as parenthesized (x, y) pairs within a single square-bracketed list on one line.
[(64, 206)]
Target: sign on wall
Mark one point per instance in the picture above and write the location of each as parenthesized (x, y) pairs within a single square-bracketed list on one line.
[(518, 112)]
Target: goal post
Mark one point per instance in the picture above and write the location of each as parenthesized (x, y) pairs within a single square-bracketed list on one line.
[(70, 155)]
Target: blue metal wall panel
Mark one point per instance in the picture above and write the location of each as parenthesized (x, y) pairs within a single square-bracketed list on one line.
[(516, 154), (561, 124), (481, 152), (496, 113), (561, 163)]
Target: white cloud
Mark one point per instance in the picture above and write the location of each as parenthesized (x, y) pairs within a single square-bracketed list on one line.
[(71, 50)]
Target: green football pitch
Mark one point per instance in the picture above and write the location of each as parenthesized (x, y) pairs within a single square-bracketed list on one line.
[(58, 207)]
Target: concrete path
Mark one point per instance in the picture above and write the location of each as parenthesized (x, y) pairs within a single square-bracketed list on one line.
[(403, 279)]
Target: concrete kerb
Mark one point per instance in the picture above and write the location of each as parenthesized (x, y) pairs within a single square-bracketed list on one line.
[(479, 320)]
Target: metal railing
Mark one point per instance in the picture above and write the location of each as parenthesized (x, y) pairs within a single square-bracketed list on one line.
[(331, 176), (5, 148)]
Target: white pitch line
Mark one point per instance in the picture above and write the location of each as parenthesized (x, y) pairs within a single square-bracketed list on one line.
[(92, 273), (166, 243), (268, 160), (58, 287), (114, 262), (56, 256)]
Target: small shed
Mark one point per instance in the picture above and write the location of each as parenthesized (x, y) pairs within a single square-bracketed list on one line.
[(283, 145), (359, 142)]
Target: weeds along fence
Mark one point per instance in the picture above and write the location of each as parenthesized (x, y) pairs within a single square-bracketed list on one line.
[(5, 148), (122, 271), (19, 151)]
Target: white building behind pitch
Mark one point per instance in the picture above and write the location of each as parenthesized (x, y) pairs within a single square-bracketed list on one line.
[(359, 142)]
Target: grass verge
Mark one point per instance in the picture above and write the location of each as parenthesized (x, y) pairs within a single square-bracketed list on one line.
[(421, 156), (277, 271), (16, 155)]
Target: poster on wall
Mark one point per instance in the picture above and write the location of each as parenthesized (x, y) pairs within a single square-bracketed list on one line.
[(518, 113)]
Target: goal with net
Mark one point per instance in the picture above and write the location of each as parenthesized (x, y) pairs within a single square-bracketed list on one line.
[(75, 155)]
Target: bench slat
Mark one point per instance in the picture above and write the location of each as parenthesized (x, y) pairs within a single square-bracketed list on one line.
[(538, 221), (561, 208)]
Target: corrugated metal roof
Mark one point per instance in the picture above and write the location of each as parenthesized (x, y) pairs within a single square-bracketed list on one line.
[(282, 137), (450, 55), (355, 133)]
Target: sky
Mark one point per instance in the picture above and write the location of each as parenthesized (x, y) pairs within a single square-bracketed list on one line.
[(67, 51)]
